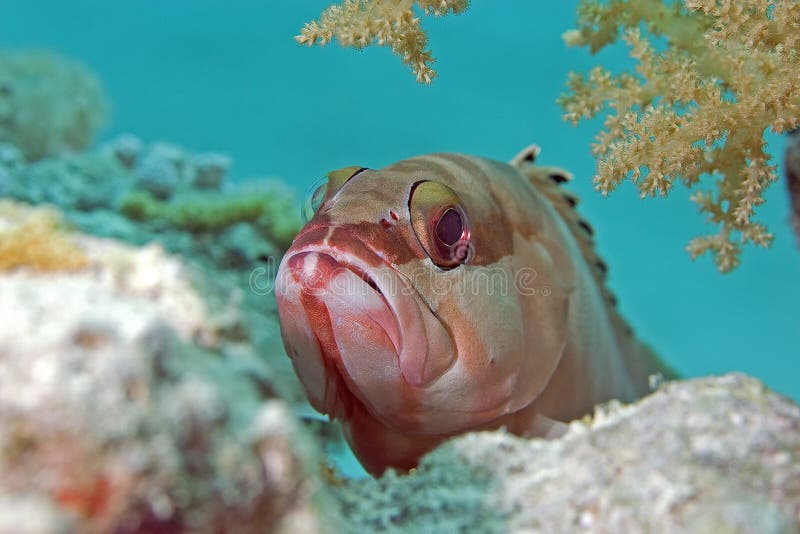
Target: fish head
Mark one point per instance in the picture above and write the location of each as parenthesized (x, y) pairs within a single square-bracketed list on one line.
[(399, 302)]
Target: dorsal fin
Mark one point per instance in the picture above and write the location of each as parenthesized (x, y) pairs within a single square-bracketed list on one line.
[(548, 181), (526, 155), (639, 357)]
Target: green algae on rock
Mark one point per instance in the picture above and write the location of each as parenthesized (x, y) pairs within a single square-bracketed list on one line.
[(200, 212)]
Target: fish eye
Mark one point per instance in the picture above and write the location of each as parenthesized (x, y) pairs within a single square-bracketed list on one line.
[(314, 199), (322, 189), (449, 227), (441, 224)]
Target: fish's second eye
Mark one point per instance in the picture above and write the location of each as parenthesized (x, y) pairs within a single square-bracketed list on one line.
[(314, 199), (324, 188), (441, 224)]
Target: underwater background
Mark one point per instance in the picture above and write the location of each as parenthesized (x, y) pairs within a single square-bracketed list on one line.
[(145, 387), (228, 76)]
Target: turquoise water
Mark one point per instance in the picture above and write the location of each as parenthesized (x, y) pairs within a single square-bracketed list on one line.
[(214, 75)]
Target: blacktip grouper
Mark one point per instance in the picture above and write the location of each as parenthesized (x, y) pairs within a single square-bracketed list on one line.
[(448, 293)]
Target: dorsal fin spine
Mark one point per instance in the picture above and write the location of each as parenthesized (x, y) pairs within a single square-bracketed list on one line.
[(564, 202)]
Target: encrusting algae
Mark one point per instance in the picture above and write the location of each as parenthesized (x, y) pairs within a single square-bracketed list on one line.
[(33, 238)]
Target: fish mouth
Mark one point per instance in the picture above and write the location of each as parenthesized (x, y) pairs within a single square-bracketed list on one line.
[(339, 328), (385, 318), (345, 284), (356, 330)]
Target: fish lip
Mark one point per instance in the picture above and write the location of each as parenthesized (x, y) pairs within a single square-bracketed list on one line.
[(409, 347), (340, 390), (395, 336), (360, 263)]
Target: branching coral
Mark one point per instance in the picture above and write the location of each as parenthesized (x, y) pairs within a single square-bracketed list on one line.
[(360, 23), (700, 105)]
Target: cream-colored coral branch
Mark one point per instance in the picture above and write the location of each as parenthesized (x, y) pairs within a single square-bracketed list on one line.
[(697, 107), (392, 23)]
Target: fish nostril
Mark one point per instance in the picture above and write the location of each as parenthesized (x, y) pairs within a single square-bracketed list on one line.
[(385, 223)]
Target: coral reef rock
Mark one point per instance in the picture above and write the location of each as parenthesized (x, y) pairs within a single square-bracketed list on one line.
[(126, 406), (233, 232), (707, 455), (49, 105)]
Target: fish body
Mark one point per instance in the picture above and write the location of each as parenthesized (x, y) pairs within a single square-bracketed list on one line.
[(448, 293)]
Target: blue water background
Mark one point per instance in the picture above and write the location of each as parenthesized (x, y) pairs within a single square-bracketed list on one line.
[(227, 76)]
